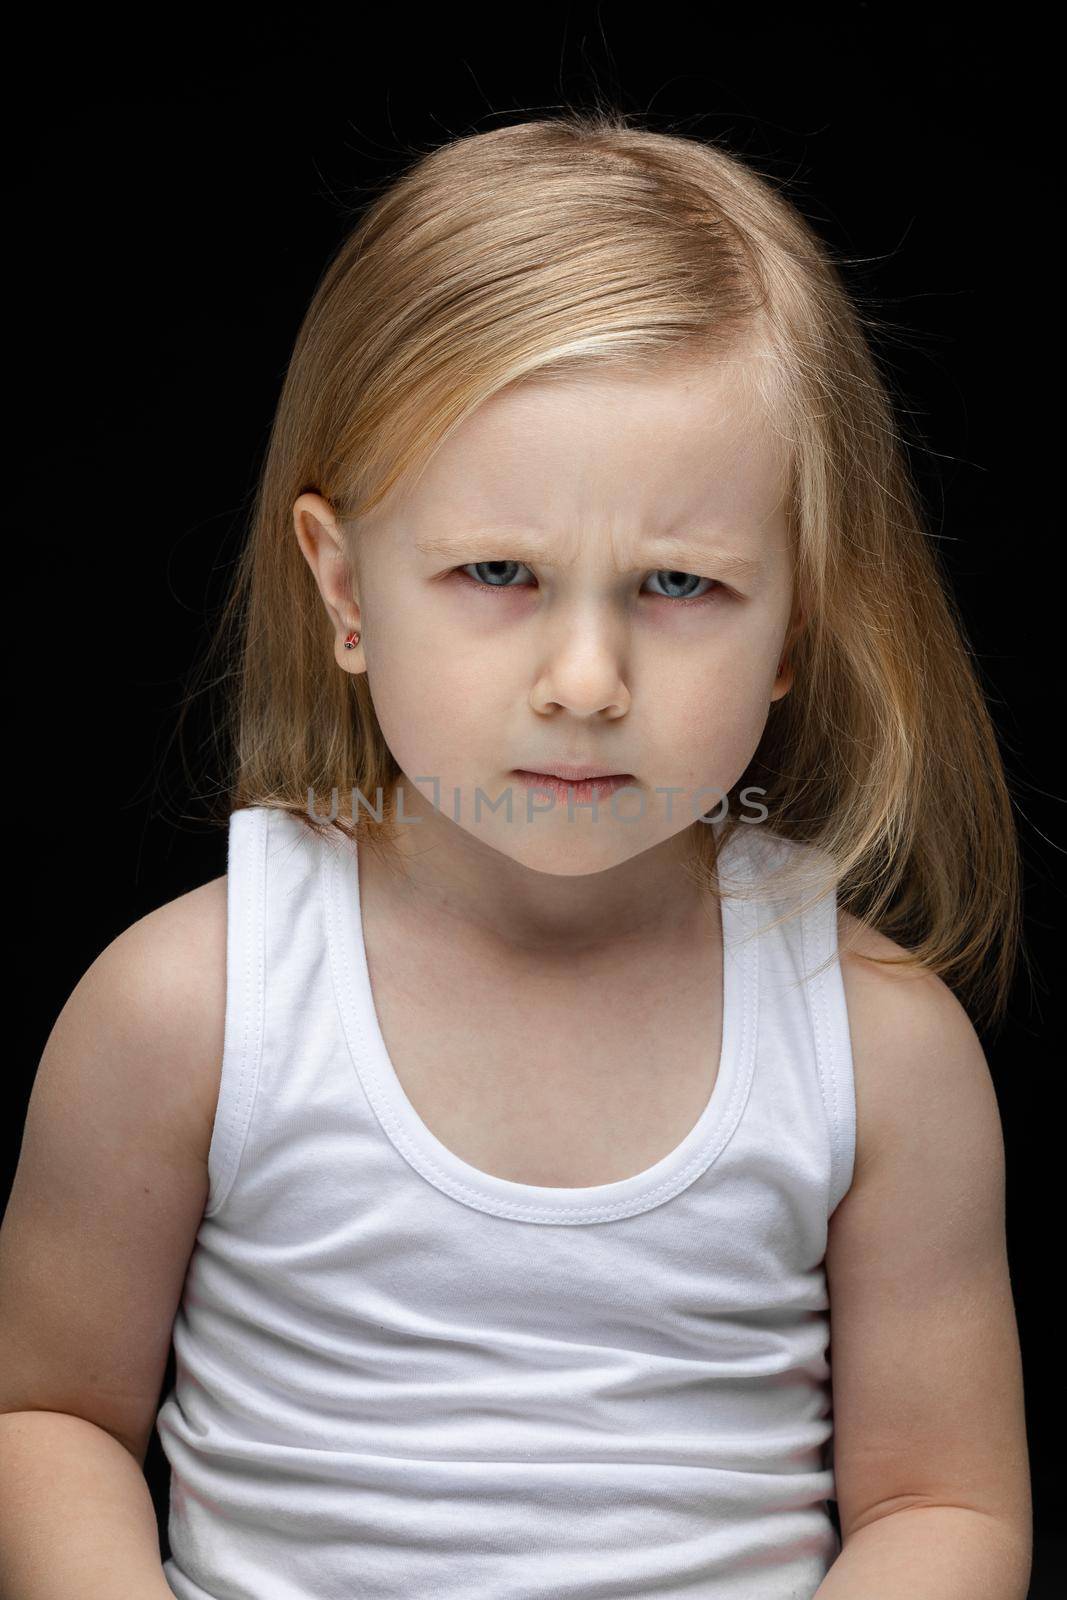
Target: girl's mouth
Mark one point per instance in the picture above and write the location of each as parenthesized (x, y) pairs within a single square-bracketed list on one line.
[(581, 791)]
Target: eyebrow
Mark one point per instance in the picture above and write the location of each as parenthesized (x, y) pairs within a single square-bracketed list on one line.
[(668, 554)]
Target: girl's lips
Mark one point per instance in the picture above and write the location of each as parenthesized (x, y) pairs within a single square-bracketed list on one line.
[(579, 790), (573, 774)]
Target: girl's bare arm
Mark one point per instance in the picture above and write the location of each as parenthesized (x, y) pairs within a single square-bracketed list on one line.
[(78, 1522), (107, 1201), (929, 1433)]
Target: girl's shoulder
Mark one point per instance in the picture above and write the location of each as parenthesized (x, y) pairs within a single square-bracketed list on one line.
[(112, 1177), (903, 1022), (188, 933), (169, 969)]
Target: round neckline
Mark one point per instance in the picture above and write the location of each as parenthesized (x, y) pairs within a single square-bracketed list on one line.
[(504, 1197)]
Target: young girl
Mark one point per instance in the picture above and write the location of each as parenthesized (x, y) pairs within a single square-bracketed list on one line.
[(576, 1039)]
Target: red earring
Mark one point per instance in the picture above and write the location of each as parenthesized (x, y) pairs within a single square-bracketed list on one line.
[(351, 640)]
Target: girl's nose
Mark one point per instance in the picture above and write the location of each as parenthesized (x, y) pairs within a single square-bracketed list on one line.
[(584, 674)]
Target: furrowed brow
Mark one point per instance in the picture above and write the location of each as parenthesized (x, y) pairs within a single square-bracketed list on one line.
[(662, 554)]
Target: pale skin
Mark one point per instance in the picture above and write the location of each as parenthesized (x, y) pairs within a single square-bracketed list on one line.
[(585, 655), (587, 662), (572, 935)]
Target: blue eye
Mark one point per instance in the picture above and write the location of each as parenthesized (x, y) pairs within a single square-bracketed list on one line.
[(682, 580), (499, 572), (493, 567)]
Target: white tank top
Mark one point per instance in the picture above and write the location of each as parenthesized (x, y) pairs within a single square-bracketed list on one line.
[(397, 1375)]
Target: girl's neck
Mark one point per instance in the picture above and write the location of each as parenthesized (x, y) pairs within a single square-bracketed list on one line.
[(437, 875)]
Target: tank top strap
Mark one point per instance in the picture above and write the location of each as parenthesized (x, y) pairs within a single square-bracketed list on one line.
[(273, 963), (246, 892), (803, 994)]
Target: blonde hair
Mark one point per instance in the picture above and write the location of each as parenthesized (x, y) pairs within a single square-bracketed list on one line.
[(573, 243)]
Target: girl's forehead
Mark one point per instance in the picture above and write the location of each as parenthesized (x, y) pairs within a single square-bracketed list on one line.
[(719, 388), (658, 444)]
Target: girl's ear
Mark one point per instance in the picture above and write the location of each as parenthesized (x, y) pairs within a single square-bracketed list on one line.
[(783, 681), (322, 543)]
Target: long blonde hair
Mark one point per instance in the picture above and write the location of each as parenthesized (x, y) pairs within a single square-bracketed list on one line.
[(579, 241)]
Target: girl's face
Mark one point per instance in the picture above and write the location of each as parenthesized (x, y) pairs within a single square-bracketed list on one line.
[(594, 572)]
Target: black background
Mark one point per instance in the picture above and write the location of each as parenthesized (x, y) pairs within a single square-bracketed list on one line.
[(174, 198)]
